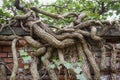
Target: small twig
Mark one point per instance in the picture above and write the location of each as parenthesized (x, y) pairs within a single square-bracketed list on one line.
[(11, 37), (2, 28), (12, 30), (6, 66), (56, 16), (6, 25), (22, 26), (25, 16)]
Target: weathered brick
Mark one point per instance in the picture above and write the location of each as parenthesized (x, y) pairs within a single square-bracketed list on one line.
[(118, 54), (11, 55), (6, 49), (108, 54), (20, 60), (0, 49), (2, 55), (61, 77), (8, 60), (21, 65)]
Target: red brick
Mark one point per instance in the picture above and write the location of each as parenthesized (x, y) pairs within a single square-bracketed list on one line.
[(21, 65), (11, 55), (8, 60), (118, 55), (61, 77), (10, 65), (3, 55), (108, 54), (20, 60), (7, 49), (0, 49)]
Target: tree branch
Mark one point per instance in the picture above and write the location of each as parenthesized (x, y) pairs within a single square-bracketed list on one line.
[(15, 60)]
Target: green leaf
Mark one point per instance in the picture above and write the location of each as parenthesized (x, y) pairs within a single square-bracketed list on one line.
[(56, 62), (52, 66), (81, 77), (23, 53), (26, 66), (27, 59), (77, 70), (68, 65)]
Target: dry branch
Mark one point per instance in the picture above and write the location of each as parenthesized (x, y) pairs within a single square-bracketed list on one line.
[(11, 37), (80, 17), (33, 69), (56, 16), (50, 38), (113, 59), (91, 58), (103, 56), (22, 17), (85, 66), (32, 42), (113, 76), (45, 60), (40, 51), (88, 24), (15, 60), (93, 34), (61, 56)]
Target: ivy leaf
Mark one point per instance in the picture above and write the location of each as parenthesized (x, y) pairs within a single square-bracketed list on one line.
[(77, 70), (23, 53), (68, 65), (27, 59), (26, 66), (56, 62), (81, 77), (52, 66)]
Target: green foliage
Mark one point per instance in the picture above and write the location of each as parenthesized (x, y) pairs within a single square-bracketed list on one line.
[(26, 58), (91, 7), (76, 67), (81, 77), (52, 66), (4, 15)]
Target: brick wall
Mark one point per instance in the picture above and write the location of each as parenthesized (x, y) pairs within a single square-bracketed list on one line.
[(24, 74), (7, 57)]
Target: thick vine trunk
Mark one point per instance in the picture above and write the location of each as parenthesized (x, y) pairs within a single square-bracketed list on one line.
[(92, 61), (85, 66)]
